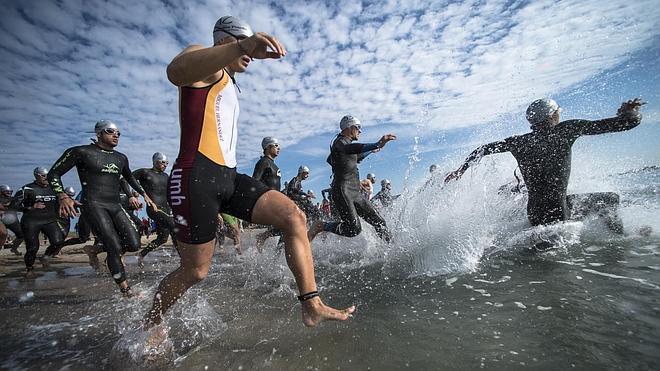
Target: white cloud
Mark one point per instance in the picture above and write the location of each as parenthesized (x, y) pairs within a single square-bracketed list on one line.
[(66, 64)]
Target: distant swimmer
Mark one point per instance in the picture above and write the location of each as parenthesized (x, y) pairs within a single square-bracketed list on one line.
[(544, 155), (367, 186), (154, 181), (204, 180), (229, 226), (269, 174), (265, 169), (40, 215), (294, 190), (10, 218), (100, 167), (384, 196), (348, 201)]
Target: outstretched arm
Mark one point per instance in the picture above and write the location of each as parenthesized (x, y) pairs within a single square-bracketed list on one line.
[(477, 154), (627, 117)]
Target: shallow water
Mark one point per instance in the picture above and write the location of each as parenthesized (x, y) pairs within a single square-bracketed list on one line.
[(457, 290)]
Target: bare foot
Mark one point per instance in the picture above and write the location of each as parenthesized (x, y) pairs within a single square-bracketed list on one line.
[(238, 249), (132, 294), (30, 274), (90, 250), (261, 240), (314, 312), (316, 228), (45, 261)]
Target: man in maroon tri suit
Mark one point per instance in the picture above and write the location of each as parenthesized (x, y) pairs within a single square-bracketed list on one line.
[(204, 181)]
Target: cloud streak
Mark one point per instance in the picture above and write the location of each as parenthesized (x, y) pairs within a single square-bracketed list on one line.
[(406, 64)]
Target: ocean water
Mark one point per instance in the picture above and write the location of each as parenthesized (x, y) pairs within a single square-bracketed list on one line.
[(457, 289)]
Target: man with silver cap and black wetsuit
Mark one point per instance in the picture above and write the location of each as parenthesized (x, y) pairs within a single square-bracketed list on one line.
[(349, 203), (40, 214), (384, 196), (154, 181), (9, 217), (100, 168), (204, 180), (269, 174), (294, 191), (544, 156), (265, 169)]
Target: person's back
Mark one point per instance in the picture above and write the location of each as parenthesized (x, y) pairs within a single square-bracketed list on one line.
[(544, 155)]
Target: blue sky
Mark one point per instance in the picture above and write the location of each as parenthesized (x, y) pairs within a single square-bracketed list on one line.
[(443, 76)]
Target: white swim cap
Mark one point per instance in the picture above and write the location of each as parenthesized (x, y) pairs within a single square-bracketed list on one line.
[(231, 26), (104, 124), (5, 188), (384, 182), (348, 121), (371, 176), (541, 110), (269, 141), (158, 156), (40, 171), (303, 169)]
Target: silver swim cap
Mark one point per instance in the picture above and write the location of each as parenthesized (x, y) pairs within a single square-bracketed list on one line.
[(70, 191), (303, 169), (104, 124), (269, 141), (541, 110), (371, 176), (433, 168), (40, 171), (348, 121), (158, 156), (5, 188), (384, 182), (230, 26)]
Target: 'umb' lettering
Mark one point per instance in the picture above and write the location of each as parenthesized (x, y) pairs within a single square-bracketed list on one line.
[(176, 198)]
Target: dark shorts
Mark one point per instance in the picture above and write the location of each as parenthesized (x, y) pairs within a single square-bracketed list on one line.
[(197, 194)]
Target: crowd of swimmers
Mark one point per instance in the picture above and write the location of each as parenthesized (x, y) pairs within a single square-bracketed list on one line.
[(203, 188)]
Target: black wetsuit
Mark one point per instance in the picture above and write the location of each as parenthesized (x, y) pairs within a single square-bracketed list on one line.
[(348, 202), (385, 197), (11, 221), (154, 183), (544, 157), (295, 192), (99, 171), (268, 173), (82, 228), (35, 220)]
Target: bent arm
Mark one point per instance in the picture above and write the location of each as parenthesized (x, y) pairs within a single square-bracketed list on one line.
[(130, 179), (68, 160), (196, 63)]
